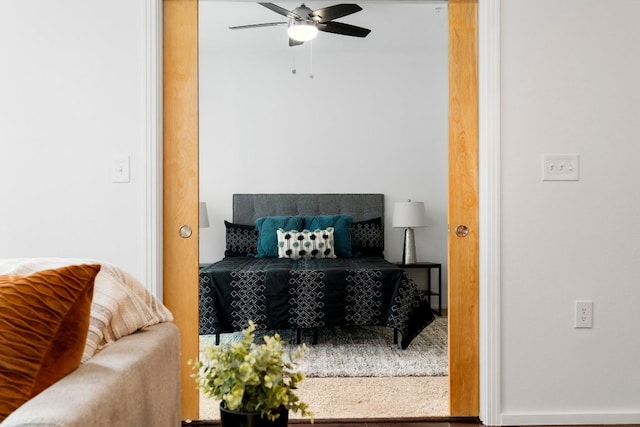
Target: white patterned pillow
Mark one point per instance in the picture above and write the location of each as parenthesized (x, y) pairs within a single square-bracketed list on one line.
[(121, 305), (306, 244)]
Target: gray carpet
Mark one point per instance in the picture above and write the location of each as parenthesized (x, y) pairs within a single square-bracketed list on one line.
[(368, 352)]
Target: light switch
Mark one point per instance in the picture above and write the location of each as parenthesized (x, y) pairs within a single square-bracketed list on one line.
[(120, 169), (560, 167)]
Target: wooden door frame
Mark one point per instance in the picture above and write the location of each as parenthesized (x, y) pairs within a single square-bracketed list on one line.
[(180, 184), (463, 256), (180, 118)]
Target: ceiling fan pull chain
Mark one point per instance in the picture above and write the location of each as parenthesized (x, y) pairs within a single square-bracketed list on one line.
[(293, 70), (311, 60)]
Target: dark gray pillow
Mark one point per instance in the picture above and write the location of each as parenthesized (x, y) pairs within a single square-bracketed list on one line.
[(241, 240), (367, 238)]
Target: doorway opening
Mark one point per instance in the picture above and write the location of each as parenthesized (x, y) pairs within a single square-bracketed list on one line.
[(380, 130), (180, 139)]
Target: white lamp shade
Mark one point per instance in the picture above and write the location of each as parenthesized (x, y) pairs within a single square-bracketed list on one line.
[(302, 31), (409, 215), (203, 215)]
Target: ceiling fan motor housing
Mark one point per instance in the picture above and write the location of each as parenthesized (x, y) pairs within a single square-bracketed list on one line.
[(302, 11)]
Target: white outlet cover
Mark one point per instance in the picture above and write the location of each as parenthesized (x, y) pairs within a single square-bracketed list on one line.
[(560, 167), (584, 314)]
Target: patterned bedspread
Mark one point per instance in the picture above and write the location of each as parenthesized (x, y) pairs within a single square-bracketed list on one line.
[(287, 294)]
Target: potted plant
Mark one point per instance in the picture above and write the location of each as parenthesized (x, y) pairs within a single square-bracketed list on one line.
[(255, 383)]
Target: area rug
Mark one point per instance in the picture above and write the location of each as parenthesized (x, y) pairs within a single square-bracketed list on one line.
[(367, 352)]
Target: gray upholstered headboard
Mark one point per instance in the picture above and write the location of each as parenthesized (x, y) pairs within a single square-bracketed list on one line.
[(249, 207)]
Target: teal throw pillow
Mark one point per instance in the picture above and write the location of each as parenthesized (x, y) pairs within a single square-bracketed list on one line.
[(268, 226)]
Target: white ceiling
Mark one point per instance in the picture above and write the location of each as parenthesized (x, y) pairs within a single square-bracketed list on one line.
[(396, 26)]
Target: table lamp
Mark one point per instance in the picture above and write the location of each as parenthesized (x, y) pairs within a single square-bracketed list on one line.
[(409, 215)]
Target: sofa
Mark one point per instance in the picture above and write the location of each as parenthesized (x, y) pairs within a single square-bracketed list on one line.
[(124, 369)]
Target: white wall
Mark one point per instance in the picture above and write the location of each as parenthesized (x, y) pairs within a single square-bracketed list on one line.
[(71, 82), (570, 85), (72, 95), (373, 118)]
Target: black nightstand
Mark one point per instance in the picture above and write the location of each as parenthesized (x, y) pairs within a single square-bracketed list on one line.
[(428, 266)]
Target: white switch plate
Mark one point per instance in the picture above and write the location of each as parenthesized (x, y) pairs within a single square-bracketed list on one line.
[(120, 169), (560, 167)]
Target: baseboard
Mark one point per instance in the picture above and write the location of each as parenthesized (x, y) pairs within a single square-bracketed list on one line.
[(582, 418)]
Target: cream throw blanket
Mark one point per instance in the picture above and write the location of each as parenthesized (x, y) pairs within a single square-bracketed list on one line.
[(121, 304)]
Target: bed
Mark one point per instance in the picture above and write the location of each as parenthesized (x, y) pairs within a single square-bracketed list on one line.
[(336, 276)]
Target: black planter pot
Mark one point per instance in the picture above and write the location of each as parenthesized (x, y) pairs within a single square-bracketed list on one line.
[(252, 419)]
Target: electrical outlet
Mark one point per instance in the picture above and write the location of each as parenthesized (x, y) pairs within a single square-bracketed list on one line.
[(584, 314)]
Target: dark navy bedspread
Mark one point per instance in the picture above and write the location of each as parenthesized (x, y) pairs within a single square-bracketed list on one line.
[(281, 293)]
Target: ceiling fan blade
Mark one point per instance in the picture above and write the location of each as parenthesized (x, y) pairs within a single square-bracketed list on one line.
[(280, 10), (327, 14), (267, 24), (344, 29), (293, 42)]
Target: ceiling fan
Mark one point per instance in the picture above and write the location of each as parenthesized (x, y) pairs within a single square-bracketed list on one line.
[(305, 23)]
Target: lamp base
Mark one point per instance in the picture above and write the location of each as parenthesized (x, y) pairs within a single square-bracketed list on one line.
[(409, 250)]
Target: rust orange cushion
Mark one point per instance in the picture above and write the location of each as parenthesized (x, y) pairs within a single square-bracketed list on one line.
[(44, 319)]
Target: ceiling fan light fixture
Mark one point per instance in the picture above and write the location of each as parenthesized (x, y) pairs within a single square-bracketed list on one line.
[(302, 31)]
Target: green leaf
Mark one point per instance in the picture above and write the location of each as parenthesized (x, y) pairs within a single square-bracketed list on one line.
[(250, 377)]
